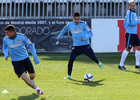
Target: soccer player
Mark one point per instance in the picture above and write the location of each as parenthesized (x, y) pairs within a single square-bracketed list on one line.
[(81, 34), (132, 39), (14, 44)]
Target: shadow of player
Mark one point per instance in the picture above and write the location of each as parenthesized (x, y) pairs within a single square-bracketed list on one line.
[(33, 96)]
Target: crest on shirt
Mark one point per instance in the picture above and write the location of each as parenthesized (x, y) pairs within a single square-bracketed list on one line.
[(79, 27), (18, 40), (28, 41)]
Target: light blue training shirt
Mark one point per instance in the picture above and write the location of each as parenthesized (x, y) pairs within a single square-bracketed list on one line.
[(131, 22), (78, 31), (16, 48)]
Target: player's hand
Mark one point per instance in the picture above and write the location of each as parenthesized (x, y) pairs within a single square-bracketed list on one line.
[(82, 39), (36, 60), (6, 57), (57, 42)]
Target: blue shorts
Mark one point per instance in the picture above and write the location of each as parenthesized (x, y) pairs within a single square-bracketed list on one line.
[(85, 49), (132, 40), (22, 66)]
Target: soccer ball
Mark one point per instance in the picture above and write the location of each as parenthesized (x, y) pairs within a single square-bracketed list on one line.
[(88, 77)]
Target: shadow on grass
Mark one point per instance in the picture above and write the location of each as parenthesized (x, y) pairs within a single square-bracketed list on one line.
[(133, 71), (33, 96), (91, 84)]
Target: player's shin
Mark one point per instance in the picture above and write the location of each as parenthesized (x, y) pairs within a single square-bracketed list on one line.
[(137, 55)]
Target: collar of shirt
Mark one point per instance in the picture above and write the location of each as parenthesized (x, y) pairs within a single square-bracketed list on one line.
[(14, 36), (132, 10)]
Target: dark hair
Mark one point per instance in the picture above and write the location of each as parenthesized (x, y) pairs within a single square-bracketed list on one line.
[(10, 28), (76, 14)]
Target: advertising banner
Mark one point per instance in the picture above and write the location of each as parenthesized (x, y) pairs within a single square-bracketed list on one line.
[(42, 33)]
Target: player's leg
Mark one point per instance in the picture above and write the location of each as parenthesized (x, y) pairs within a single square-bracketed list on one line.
[(137, 56), (129, 43), (73, 55), (87, 50), (31, 72), (123, 58), (28, 81), (20, 70), (31, 76), (137, 53)]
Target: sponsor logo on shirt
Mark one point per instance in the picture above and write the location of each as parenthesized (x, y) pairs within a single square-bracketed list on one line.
[(28, 41), (77, 31), (79, 27), (14, 45), (88, 28)]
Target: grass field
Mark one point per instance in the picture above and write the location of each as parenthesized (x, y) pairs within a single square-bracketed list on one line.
[(109, 83)]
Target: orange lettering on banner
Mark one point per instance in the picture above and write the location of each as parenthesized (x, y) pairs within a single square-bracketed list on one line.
[(122, 31)]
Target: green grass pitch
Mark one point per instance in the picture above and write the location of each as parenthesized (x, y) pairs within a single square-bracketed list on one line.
[(109, 83)]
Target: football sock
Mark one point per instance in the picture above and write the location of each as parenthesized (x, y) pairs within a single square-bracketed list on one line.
[(123, 57), (137, 55), (37, 88)]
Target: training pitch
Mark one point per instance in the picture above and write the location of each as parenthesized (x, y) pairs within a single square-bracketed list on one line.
[(109, 83)]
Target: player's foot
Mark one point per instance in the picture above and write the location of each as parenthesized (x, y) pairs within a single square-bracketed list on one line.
[(32, 80), (121, 67), (67, 77), (100, 65), (137, 66), (39, 92)]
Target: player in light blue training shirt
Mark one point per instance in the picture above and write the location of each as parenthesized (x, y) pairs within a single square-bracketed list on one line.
[(81, 34), (132, 39), (79, 31), (14, 44)]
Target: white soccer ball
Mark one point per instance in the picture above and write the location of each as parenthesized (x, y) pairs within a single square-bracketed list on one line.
[(88, 77)]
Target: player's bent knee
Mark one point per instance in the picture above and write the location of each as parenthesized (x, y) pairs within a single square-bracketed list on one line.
[(32, 76)]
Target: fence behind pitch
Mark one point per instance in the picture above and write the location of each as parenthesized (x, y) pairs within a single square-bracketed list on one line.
[(41, 9)]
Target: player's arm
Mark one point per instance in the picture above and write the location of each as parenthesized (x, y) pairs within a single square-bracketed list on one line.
[(64, 30), (5, 51), (125, 24), (131, 19), (32, 49), (89, 33)]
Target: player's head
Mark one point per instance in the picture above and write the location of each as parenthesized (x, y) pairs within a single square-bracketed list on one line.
[(76, 17), (10, 30), (132, 5)]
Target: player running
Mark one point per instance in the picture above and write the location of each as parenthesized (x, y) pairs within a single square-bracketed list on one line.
[(81, 34), (14, 43)]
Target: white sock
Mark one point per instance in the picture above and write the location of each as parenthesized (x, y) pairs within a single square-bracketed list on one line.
[(37, 88), (137, 55), (123, 57)]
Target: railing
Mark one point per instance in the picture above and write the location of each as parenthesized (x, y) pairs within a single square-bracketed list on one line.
[(41, 9)]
